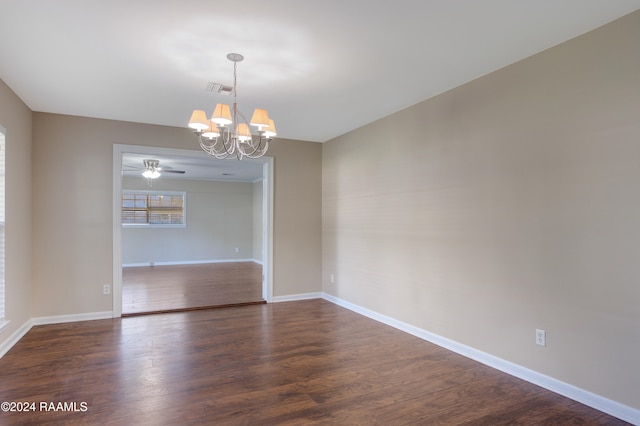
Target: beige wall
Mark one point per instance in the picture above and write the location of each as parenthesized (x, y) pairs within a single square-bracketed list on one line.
[(72, 176), (219, 217), (16, 117), (508, 204), (297, 211)]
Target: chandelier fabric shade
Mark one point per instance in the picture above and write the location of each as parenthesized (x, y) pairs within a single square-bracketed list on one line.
[(244, 134), (227, 133), (260, 118), (211, 131), (222, 115), (270, 130), (199, 120)]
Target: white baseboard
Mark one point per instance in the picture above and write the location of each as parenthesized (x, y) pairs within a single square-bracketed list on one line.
[(15, 337), (294, 297), (590, 399), (186, 262), (55, 319), (59, 319)]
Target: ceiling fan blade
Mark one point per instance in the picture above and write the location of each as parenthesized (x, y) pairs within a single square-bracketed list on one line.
[(151, 164)]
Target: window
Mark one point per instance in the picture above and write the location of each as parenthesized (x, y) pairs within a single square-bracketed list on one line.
[(153, 208), (2, 180)]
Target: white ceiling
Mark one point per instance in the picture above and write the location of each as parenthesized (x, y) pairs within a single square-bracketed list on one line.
[(321, 68)]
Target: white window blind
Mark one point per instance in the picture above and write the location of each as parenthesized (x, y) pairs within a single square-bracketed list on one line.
[(153, 208), (2, 220)]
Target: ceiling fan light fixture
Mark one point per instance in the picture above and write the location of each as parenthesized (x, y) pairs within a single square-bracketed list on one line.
[(151, 174), (151, 169)]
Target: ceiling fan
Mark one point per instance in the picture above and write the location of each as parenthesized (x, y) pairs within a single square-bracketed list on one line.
[(152, 169)]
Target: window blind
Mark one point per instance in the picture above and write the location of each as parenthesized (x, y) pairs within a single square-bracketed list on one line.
[(153, 208)]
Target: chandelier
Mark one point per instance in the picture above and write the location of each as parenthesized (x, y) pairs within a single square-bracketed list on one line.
[(227, 132)]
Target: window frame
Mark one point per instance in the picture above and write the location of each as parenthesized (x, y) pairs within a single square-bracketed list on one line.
[(182, 194)]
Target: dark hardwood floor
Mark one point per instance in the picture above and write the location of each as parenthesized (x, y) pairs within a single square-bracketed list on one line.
[(156, 289), (293, 363)]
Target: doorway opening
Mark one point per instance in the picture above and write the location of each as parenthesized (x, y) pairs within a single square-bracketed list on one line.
[(220, 256)]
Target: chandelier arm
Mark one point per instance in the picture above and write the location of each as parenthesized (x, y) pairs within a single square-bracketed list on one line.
[(259, 154), (227, 141), (258, 150), (208, 148), (262, 147), (243, 148), (221, 147)]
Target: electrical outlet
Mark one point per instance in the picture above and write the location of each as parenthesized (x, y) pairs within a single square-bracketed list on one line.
[(106, 289), (541, 337), (333, 279)]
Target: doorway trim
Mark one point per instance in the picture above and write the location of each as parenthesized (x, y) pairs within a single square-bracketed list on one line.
[(267, 215)]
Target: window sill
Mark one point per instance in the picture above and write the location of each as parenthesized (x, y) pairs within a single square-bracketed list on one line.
[(146, 225)]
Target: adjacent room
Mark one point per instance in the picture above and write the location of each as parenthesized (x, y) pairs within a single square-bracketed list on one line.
[(192, 234), (437, 203)]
